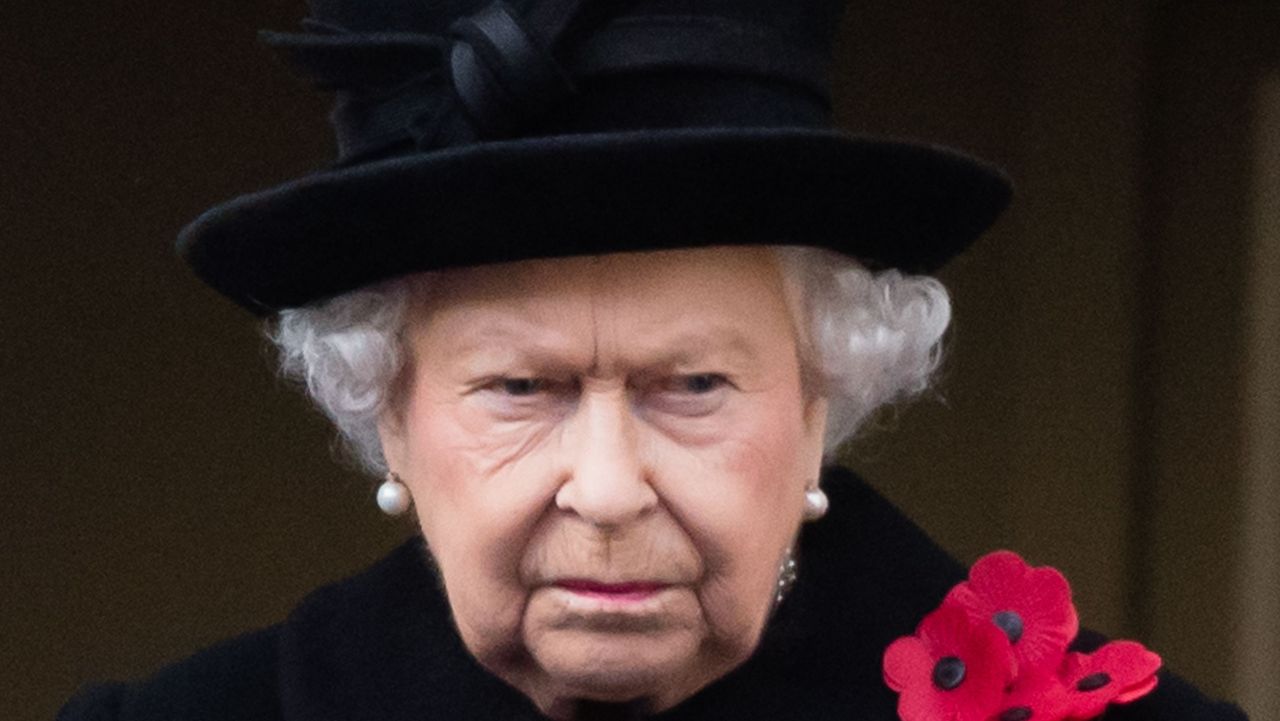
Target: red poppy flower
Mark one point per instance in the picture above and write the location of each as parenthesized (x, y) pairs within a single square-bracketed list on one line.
[(952, 670), (1119, 672), (1031, 605), (997, 651), (1039, 697)]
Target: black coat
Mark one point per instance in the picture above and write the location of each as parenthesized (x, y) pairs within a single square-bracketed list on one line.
[(381, 646)]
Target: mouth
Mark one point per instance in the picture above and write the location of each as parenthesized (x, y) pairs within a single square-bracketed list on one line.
[(627, 592), (626, 608)]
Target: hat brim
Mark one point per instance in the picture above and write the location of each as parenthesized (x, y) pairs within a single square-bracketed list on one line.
[(888, 203)]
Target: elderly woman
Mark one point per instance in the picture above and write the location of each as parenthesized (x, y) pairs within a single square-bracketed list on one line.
[(591, 289)]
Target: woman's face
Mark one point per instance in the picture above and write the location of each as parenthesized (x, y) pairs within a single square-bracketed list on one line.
[(608, 457)]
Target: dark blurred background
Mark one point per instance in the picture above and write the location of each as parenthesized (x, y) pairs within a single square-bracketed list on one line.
[(1110, 405)]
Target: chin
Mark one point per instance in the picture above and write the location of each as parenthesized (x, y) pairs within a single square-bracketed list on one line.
[(623, 669)]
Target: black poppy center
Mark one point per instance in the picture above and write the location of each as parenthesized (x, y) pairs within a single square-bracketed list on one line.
[(1093, 681), (1009, 622), (1017, 713), (948, 673)]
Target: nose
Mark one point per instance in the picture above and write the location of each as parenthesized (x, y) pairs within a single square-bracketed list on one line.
[(606, 480)]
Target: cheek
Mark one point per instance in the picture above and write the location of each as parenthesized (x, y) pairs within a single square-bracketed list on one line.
[(477, 546), (478, 505), (741, 499), (769, 451), (466, 465), (761, 465)]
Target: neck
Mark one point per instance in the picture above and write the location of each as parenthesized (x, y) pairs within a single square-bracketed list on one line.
[(608, 711)]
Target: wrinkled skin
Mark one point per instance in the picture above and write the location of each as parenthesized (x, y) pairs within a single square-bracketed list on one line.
[(631, 418)]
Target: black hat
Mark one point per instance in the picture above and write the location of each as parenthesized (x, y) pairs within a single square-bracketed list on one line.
[(472, 131)]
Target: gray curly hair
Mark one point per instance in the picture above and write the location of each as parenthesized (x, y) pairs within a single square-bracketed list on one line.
[(868, 339)]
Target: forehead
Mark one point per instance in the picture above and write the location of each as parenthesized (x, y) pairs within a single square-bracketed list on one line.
[(681, 301)]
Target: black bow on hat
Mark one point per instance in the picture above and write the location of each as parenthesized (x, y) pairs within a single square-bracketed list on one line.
[(475, 133), (492, 72)]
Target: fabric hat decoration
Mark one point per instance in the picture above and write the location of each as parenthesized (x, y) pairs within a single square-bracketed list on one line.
[(473, 131)]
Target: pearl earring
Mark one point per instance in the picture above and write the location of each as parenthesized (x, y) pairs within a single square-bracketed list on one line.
[(393, 496), (815, 504)]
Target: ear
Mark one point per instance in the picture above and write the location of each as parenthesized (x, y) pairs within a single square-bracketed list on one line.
[(815, 423), (392, 436), (392, 433)]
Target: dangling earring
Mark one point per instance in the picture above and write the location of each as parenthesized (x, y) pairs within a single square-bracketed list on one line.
[(393, 496), (815, 504), (786, 576)]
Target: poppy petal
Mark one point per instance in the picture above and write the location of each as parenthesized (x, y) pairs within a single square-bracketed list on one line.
[(1118, 672), (1032, 605), (905, 662), (951, 670), (1137, 691)]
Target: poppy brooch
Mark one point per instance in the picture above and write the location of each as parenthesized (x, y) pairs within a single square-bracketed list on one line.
[(996, 650)]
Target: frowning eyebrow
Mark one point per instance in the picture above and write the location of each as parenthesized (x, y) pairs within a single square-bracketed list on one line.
[(517, 343), (700, 346)]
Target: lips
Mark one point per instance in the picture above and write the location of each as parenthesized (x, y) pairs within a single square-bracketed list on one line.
[(629, 591)]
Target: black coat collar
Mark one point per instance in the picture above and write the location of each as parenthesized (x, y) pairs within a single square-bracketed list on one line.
[(382, 647)]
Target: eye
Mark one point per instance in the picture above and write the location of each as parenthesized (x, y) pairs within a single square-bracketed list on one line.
[(527, 388), (691, 395), (521, 387), (524, 398), (699, 383)]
